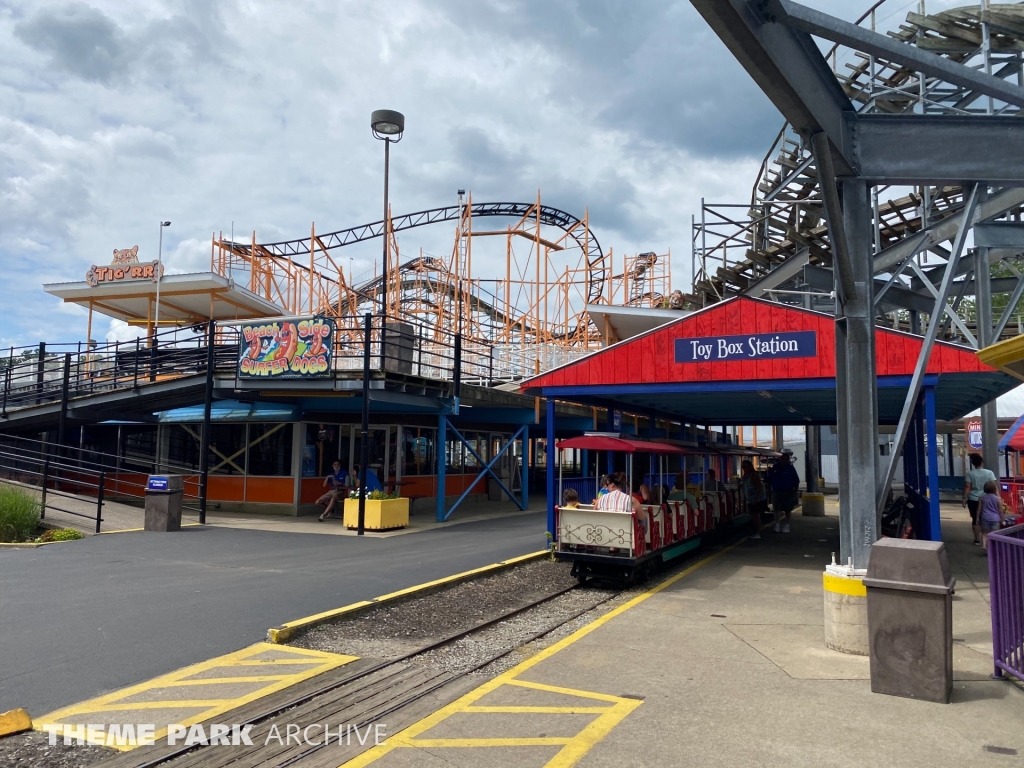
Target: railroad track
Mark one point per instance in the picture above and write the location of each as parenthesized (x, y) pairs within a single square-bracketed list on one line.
[(397, 689)]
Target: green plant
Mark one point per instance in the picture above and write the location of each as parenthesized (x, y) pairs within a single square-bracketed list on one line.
[(19, 514), (61, 534), (381, 495)]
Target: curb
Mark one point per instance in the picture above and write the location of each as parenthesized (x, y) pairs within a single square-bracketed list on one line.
[(283, 633), (15, 721)]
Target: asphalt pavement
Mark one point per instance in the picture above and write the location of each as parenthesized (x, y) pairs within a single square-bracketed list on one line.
[(80, 619)]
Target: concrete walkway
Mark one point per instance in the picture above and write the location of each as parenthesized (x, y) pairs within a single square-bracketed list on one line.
[(726, 667)]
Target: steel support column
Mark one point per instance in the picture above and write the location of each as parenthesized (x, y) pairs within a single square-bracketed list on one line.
[(983, 304), (525, 468), (857, 394), (812, 458), (931, 435), (441, 451)]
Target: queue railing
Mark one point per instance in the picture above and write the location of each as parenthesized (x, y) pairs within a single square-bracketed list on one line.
[(1006, 600)]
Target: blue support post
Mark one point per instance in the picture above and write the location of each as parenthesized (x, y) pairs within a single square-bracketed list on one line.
[(550, 426), (609, 457), (441, 451), (525, 469), (933, 465)]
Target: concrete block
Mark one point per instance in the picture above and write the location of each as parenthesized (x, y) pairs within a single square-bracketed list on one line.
[(15, 721), (846, 615), (813, 505)]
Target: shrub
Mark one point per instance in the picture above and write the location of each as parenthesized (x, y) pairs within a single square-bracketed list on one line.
[(381, 495), (61, 534), (19, 514)]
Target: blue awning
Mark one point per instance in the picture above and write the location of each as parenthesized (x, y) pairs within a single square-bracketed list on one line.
[(232, 410)]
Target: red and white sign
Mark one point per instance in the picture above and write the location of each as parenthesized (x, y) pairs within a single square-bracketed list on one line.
[(973, 431)]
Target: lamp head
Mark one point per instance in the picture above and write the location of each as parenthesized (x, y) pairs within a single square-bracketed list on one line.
[(165, 223), (387, 123)]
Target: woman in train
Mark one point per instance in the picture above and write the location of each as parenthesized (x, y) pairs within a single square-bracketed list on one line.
[(754, 495), (617, 500)]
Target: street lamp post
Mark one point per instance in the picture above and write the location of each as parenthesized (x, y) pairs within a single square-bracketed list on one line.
[(388, 126), (159, 274)]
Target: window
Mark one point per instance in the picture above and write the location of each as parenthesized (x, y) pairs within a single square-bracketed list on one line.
[(418, 451), (183, 445), (227, 448), (139, 447), (270, 449), (321, 449)]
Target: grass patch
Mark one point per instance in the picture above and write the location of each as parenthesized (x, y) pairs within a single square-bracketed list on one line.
[(19, 514), (61, 534)]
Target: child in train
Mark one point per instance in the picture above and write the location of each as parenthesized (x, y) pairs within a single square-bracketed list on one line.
[(570, 499)]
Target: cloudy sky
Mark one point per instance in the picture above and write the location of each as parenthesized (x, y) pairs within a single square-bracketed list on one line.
[(116, 115)]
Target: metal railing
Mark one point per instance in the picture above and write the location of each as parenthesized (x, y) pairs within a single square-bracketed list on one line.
[(1006, 590), (79, 474), (39, 375)]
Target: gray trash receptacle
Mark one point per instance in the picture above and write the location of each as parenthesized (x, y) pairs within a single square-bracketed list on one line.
[(910, 619), (163, 502)]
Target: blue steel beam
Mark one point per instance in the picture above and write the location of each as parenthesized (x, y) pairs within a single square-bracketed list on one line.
[(488, 469), (933, 464)]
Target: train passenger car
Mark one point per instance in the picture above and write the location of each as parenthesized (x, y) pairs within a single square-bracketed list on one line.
[(627, 546)]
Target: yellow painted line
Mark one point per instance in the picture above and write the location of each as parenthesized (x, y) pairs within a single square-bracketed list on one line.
[(538, 710), (313, 663), (136, 530), (223, 680), (575, 747), (285, 631), (567, 691), (540, 741), (843, 586)]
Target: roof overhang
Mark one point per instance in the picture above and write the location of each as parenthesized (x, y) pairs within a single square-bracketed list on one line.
[(621, 323), (1007, 356), (184, 299)]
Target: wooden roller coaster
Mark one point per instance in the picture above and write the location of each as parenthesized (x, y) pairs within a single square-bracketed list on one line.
[(778, 244)]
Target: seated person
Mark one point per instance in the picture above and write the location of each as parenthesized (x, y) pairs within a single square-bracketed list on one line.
[(604, 488), (681, 492), (712, 483), (336, 481), (570, 499)]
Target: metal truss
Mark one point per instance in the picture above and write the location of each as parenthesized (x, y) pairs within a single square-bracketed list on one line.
[(928, 111)]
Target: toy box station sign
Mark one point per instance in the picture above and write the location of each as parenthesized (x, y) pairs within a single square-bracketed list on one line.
[(758, 346)]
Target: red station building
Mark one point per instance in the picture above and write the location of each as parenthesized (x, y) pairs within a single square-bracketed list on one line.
[(747, 361)]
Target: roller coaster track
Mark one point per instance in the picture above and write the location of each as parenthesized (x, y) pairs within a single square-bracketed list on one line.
[(554, 217), (784, 224)]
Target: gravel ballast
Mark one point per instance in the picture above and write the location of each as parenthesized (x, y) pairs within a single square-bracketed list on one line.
[(32, 749), (394, 630)]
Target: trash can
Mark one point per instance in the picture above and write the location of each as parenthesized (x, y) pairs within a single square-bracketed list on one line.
[(910, 619), (163, 502)]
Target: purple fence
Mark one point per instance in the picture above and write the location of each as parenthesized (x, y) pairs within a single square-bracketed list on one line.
[(1006, 584)]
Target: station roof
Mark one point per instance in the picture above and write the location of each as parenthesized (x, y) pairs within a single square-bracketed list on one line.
[(184, 299), (621, 323), (750, 361)]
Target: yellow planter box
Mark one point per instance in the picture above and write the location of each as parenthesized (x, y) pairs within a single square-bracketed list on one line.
[(381, 514)]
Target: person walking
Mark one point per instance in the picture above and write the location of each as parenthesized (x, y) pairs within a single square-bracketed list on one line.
[(754, 495), (990, 512), (974, 489), (785, 485)]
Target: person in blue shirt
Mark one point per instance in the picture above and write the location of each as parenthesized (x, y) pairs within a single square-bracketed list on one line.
[(336, 482), (785, 485)]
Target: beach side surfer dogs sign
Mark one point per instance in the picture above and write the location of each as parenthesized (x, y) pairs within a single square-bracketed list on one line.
[(298, 348), (757, 346)]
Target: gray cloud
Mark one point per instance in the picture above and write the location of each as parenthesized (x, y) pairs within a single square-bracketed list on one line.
[(207, 112), (78, 39)]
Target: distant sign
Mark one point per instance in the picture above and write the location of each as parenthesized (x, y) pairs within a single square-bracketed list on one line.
[(973, 430), (124, 266), (286, 349), (156, 483), (758, 346)]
